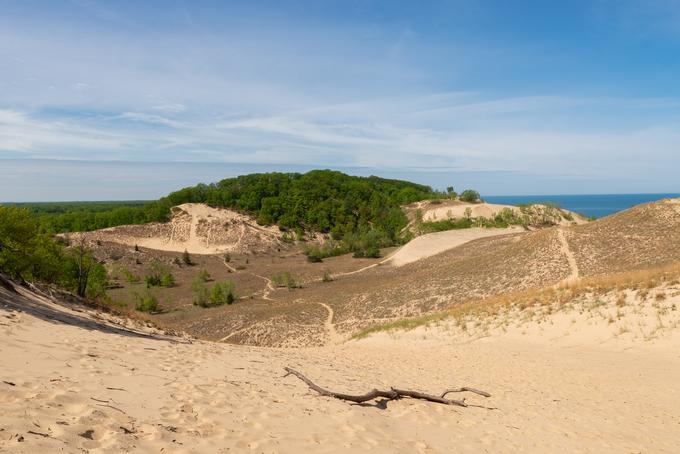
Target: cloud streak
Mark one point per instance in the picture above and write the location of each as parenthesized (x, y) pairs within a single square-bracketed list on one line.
[(441, 87)]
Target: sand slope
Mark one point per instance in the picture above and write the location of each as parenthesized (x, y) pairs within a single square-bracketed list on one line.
[(434, 243), (198, 229), (64, 388)]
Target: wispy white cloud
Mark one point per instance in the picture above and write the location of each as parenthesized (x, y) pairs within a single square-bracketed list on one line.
[(151, 119), (466, 132)]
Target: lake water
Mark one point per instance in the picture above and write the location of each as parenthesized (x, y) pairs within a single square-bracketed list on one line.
[(595, 205)]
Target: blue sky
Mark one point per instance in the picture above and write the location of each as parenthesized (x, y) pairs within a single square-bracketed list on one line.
[(522, 97)]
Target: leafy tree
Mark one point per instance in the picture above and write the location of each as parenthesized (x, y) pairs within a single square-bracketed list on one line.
[(470, 196), (18, 234)]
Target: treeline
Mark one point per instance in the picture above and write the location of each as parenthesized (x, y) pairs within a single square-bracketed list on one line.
[(27, 254), (346, 207), (362, 212), (320, 200), (62, 217)]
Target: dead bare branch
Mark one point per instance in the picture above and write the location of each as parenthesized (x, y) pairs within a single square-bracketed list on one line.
[(392, 394)]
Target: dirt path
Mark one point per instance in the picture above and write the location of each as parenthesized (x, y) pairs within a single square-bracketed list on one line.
[(333, 335), (566, 250), (269, 288), (193, 228)]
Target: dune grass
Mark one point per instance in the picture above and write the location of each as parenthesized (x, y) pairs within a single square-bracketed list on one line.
[(639, 281)]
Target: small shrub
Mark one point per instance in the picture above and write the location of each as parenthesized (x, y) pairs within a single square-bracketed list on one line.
[(167, 280), (227, 258), (159, 275), (372, 252), (284, 280), (186, 258), (203, 276), (146, 303), (316, 253), (130, 276), (200, 294), (222, 293)]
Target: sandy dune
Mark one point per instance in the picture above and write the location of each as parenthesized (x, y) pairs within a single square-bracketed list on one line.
[(434, 243), (198, 229), (477, 210), (537, 215), (563, 383)]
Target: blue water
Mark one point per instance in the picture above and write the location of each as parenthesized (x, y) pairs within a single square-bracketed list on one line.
[(595, 205)]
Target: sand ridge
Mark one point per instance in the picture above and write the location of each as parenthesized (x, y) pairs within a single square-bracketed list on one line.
[(198, 229)]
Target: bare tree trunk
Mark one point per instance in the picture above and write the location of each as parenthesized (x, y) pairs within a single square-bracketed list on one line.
[(391, 394)]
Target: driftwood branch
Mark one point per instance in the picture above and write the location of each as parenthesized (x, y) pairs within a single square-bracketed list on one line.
[(391, 394)]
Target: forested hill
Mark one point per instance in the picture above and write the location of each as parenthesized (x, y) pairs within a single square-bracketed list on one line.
[(321, 200)]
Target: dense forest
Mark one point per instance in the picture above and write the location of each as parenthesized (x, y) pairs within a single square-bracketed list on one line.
[(360, 213)]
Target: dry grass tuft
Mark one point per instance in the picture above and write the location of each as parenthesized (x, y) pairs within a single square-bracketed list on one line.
[(551, 297)]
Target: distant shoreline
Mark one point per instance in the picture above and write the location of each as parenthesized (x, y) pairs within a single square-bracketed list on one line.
[(591, 205)]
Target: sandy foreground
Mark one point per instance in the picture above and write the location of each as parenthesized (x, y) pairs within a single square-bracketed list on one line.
[(565, 385)]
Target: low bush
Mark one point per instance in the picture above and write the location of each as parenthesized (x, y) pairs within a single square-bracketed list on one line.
[(130, 276), (146, 303), (203, 276), (284, 280), (186, 258), (159, 275), (222, 293)]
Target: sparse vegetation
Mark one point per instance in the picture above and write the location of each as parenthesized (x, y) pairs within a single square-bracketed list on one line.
[(222, 293), (592, 288), (146, 302), (130, 277), (284, 279), (159, 275), (203, 276), (186, 258)]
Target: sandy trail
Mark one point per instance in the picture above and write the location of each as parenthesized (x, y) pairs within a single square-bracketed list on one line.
[(333, 336), (268, 289), (569, 255)]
